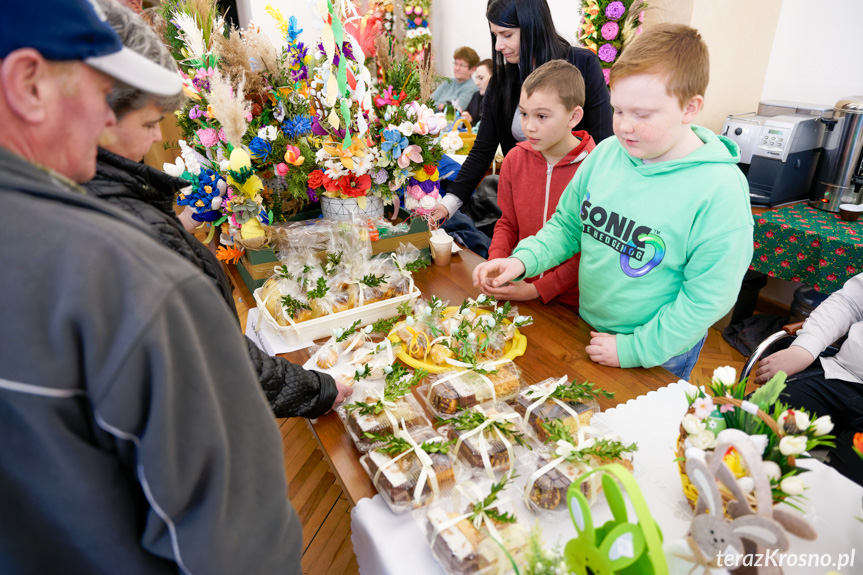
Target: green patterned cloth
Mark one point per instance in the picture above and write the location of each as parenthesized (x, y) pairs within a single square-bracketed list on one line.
[(802, 244)]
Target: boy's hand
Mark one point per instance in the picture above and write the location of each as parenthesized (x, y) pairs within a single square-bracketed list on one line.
[(518, 291), (792, 360), (603, 349), (497, 272), (439, 213)]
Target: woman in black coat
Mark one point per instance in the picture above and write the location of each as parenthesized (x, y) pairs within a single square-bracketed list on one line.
[(148, 194), (523, 37)]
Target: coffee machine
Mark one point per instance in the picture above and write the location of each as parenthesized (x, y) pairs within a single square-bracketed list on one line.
[(780, 146), (840, 171)]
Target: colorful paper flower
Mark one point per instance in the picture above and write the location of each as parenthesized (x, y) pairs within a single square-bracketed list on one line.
[(208, 137), (412, 153), (615, 10), (259, 149), (297, 126), (610, 30), (354, 186), (393, 142), (315, 179), (607, 53), (606, 73), (293, 156)]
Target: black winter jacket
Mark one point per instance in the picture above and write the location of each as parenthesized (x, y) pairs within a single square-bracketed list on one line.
[(148, 194)]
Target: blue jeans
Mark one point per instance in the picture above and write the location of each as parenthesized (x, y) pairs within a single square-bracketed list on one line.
[(682, 365)]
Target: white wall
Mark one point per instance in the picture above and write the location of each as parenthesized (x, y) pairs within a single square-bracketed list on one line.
[(817, 54), (457, 23)]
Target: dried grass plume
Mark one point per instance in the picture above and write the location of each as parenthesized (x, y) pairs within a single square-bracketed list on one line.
[(230, 107)]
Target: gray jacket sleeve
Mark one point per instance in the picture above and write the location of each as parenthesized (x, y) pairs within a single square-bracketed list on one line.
[(188, 417), (833, 318), (291, 390)]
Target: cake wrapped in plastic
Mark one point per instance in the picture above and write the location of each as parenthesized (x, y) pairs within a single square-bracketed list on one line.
[(410, 468), (486, 437), (480, 536), (449, 392), (571, 403), (565, 459)]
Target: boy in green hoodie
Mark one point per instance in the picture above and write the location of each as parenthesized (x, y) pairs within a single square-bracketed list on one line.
[(660, 215)]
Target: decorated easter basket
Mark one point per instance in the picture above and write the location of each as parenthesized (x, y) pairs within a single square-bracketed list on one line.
[(467, 137), (689, 490)]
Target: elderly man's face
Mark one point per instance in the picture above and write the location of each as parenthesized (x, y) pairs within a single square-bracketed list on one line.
[(84, 113)]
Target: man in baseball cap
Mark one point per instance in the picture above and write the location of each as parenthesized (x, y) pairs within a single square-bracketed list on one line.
[(135, 437)]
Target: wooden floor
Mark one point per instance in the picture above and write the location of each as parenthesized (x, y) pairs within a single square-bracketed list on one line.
[(325, 511)]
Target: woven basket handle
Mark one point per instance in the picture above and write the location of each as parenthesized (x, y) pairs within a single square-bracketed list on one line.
[(461, 121), (762, 415)]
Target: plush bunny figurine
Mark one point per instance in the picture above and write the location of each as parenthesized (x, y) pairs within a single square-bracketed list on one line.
[(712, 535)]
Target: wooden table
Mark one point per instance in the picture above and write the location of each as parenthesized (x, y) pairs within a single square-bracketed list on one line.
[(555, 347)]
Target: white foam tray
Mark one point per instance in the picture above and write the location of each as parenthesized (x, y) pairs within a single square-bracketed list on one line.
[(317, 328)]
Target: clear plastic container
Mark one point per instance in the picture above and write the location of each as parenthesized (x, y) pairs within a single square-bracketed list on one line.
[(396, 476), (572, 414), (405, 408), (447, 393)]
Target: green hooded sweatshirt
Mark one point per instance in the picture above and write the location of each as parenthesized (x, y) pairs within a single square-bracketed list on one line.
[(664, 246)]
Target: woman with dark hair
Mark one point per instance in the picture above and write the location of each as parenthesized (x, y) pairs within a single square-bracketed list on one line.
[(524, 38)]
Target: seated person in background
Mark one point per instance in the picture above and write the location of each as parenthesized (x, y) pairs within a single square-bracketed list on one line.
[(147, 194), (832, 387), (535, 173), (660, 215), (480, 77), (461, 87)]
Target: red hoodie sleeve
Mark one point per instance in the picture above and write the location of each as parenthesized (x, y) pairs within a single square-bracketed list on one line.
[(505, 236), (562, 279)]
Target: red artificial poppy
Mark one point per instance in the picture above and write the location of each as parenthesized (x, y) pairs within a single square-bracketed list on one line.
[(355, 186), (330, 184)]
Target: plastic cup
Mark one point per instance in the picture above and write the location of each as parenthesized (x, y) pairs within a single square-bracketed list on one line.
[(850, 212), (441, 248)]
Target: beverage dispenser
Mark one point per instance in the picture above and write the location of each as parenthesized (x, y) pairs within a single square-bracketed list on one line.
[(840, 172)]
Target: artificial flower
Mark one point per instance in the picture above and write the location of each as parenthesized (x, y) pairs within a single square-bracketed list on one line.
[(354, 186), (793, 421), (393, 142), (610, 30), (330, 184), (792, 445), (229, 254), (772, 470), (703, 407), (412, 153), (316, 179), (607, 53), (259, 149), (241, 176), (451, 142), (822, 426), (792, 485), (299, 126), (268, 133), (692, 425), (615, 10), (725, 375), (282, 169), (208, 137), (702, 440), (176, 169), (293, 156), (380, 176)]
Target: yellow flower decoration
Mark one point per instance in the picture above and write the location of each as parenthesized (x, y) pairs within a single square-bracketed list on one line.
[(276, 15), (293, 156), (734, 463), (346, 156), (241, 177)]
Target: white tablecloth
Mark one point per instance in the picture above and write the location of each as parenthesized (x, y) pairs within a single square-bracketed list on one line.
[(389, 543)]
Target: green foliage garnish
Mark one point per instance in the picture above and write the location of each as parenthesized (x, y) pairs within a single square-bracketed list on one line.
[(394, 445), (292, 305), (372, 280), (396, 386), (282, 272), (469, 419), (605, 450), (557, 430), (575, 392), (416, 265), (485, 506), (384, 325), (363, 373), (405, 308), (347, 333), (320, 291), (333, 261)]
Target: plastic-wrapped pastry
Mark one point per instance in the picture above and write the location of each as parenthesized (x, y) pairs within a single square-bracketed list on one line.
[(439, 354), (486, 433), (572, 404), (451, 391), (396, 476), (327, 357)]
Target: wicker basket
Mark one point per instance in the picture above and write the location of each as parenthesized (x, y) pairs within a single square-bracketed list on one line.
[(689, 490), (467, 138)]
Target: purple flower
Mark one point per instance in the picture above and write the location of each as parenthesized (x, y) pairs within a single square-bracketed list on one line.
[(313, 197), (607, 53), (615, 10), (380, 176), (609, 30), (317, 129), (348, 51), (195, 112), (429, 186)]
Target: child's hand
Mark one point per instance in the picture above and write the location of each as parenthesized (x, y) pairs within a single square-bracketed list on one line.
[(792, 360), (497, 272), (603, 349), (518, 291)]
